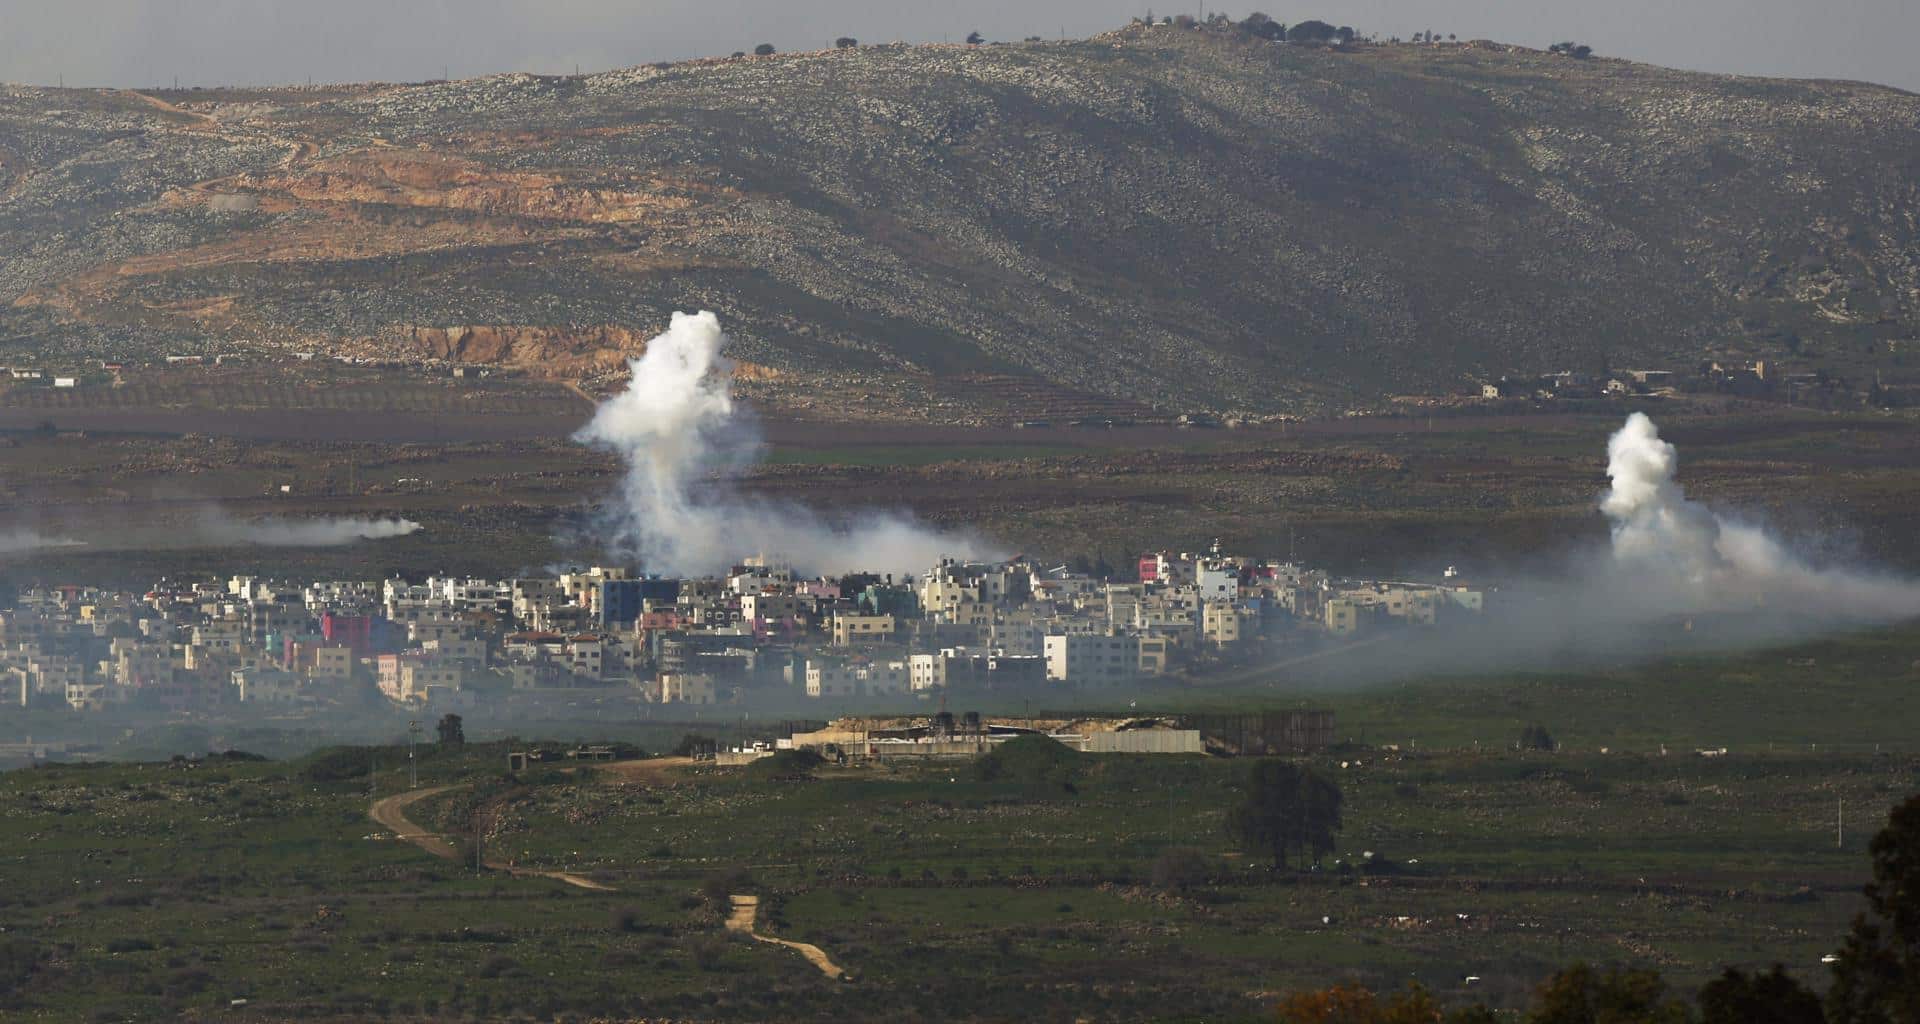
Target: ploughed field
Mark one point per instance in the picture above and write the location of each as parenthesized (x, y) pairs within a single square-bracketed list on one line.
[(499, 492), (142, 890)]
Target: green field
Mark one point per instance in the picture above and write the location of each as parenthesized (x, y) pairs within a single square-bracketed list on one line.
[(142, 890)]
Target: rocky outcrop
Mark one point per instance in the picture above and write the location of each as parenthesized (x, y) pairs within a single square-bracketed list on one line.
[(447, 182), (556, 350), (545, 351)]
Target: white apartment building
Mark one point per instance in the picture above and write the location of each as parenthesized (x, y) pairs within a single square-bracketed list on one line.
[(1092, 660)]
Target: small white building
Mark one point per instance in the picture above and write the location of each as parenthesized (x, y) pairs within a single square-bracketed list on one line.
[(687, 688)]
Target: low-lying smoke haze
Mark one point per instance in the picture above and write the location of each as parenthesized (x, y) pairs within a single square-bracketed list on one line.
[(211, 526), (14, 541), (674, 426), (144, 43), (300, 533)]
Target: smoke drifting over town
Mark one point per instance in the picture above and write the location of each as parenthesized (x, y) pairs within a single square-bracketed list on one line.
[(674, 426)]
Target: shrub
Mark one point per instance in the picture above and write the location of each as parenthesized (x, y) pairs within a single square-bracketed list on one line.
[(786, 764), (763, 50), (707, 951), (1179, 869), (846, 42), (338, 764), (19, 958), (497, 965), (1029, 759), (1586, 786), (719, 887), (189, 981), (1536, 737)]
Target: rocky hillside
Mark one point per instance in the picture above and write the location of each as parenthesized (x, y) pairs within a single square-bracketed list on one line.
[(1155, 218)]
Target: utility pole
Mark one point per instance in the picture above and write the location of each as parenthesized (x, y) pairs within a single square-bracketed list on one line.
[(413, 767)]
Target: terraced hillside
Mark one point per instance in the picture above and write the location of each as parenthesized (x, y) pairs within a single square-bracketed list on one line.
[(1175, 219)]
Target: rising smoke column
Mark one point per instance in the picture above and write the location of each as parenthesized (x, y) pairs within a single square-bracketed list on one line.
[(1682, 556), (676, 424)]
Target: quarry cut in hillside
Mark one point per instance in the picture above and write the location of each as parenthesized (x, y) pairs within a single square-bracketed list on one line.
[(1157, 218), (545, 351)]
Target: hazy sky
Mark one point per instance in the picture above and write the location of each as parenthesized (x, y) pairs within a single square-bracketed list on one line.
[(224, 42)]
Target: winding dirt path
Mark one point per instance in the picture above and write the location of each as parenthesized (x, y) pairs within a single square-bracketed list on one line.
[(390, 813), (747, 908)]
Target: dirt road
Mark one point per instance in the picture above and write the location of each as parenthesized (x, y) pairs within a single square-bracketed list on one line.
[(747, 908), (652, 769), (390, 813)]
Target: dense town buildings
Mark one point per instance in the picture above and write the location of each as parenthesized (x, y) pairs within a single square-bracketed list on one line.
[(959, 628)]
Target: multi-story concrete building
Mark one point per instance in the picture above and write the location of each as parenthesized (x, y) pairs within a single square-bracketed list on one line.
[(1093, 660)]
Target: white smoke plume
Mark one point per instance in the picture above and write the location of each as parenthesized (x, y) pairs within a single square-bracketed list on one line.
[(674, 426), (1692, 559), (1677, 576), (302, 533), (21, 539)]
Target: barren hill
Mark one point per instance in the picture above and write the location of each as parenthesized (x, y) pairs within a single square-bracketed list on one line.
[(1154, 218)]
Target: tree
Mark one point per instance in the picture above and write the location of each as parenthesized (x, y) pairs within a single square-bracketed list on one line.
[(1310, 31), (1346, 1004), (1260, 26), (1877, 978), (1772, 998), (1582, 995), (1536, 737), (846, 42), (1286, 808), (763, 50), (694, 744), (452, 732), (975, 39), (1344, 33)]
